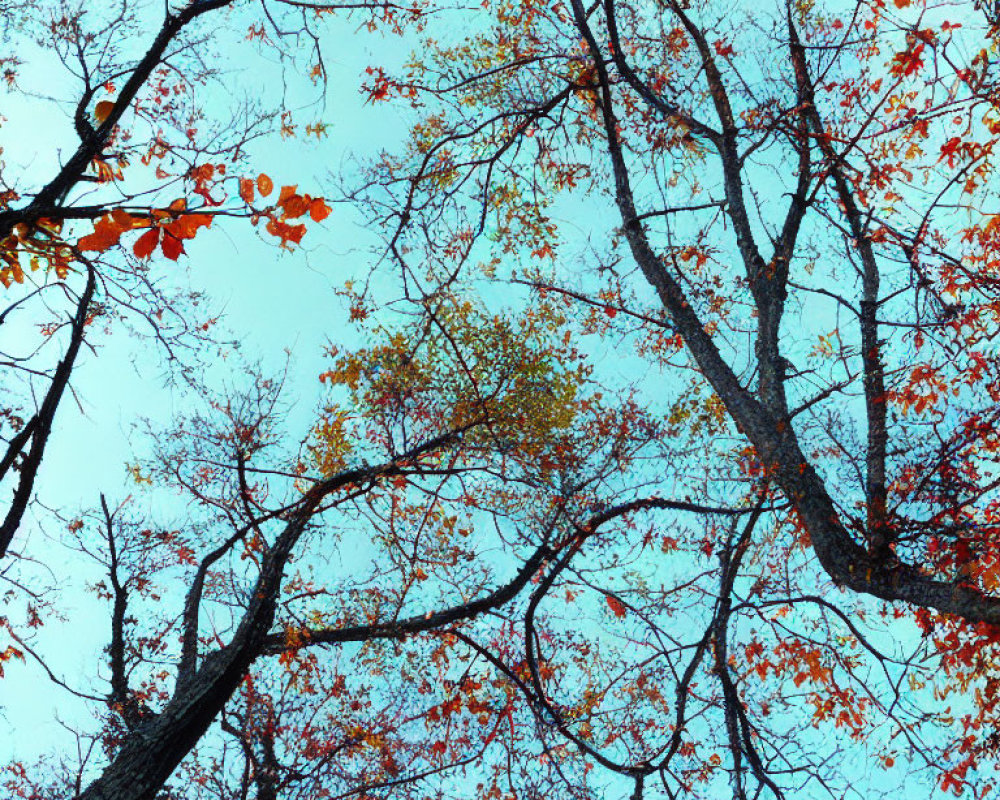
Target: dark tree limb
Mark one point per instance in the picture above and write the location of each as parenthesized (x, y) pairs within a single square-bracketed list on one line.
[(844, 560), (37, 429), (48, 201)]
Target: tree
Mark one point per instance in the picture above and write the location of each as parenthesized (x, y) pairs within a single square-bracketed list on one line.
[(672, 447), (178, 187)]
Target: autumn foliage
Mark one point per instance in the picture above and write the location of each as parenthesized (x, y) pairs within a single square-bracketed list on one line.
[(656, 449)]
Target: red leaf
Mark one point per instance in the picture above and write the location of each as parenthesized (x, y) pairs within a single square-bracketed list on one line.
[(124, 220), (285, 232), (723, 49), (616, 606), (187, 226), (907, 62), (295, 206), (264, 184), (172, 246), (106, 235), (146, 244)]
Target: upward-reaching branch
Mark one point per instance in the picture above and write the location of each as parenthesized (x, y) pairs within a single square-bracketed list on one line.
[(37, 430), (152, 751), (879, 533), (46, 203), (844, 560)]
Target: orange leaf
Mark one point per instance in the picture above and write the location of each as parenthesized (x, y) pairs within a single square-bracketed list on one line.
[(318, 210), (264, 184), (287, 193), (187, 226), (295, 206), (246, 191), (103, 110), (171, 246), (123, 219), (146, 244), (285, 232), (106, 235), (296, 232), (178, 205)]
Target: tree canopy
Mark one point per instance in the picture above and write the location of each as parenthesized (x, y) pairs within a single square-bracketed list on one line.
[(656, 448)]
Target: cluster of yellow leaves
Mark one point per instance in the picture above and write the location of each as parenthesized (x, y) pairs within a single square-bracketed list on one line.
[(39, 243), (7, 654), (331, 441), (459, 367)]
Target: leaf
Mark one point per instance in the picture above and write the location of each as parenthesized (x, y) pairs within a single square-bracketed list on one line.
[(105, 236), (616, 605), (264, 184), (723, 49), (246, 191), (146, 244), (287, 233), (908, 62), (171, 246), (124, 220), (296, 206), (187, 226), (103, 110), (8, 654), (318, 210), (287, 193)]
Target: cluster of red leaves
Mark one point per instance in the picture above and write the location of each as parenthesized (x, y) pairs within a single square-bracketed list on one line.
[(383, 87), (168, 228), (968, 657)]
